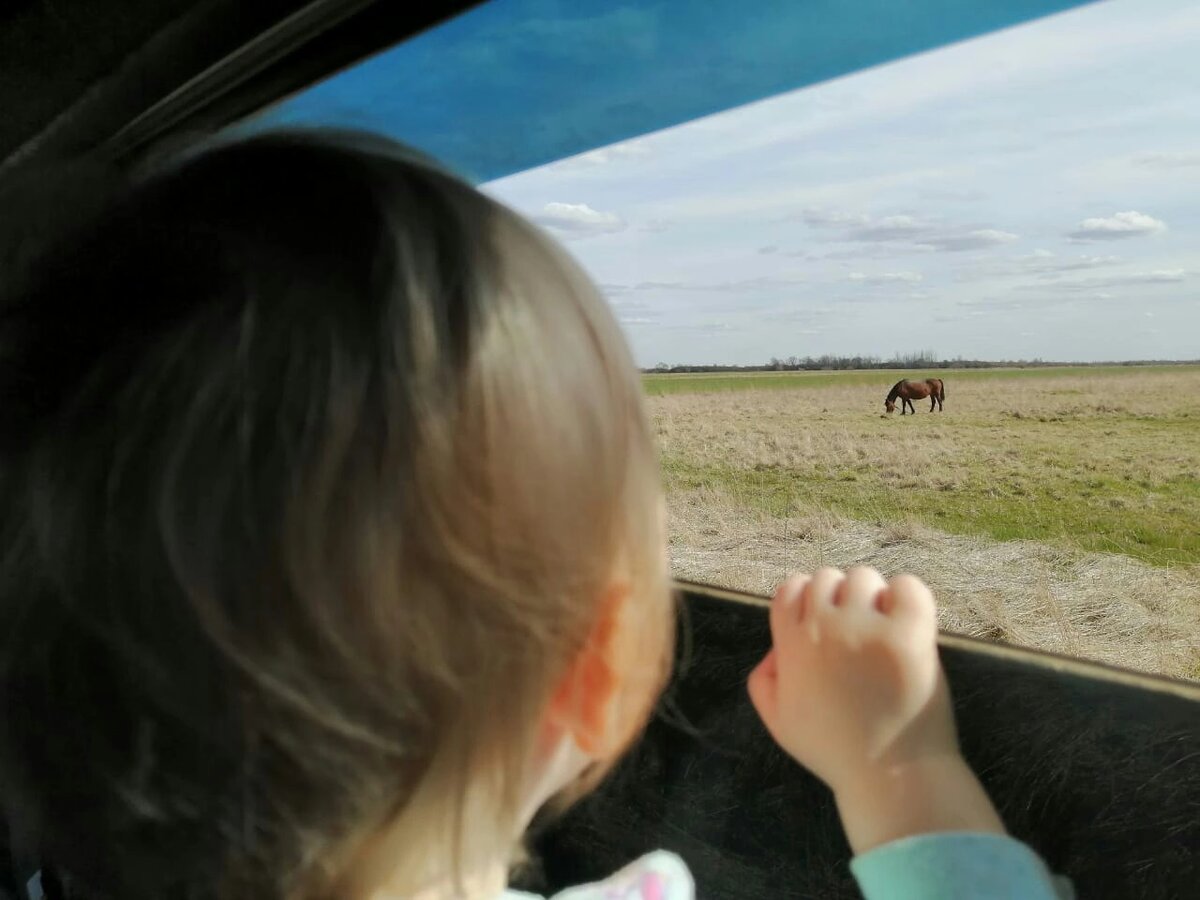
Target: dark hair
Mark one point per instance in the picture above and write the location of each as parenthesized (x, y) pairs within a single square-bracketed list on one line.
[(155, 365), (243, 406), (217, 392)]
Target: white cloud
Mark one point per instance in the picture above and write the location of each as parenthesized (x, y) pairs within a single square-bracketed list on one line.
[(889, 228), (1120, 225), (715, 200), (739, 286), (891, 250), (1163, 276), (1041, 263), (886, 277), (632, 149), (831, 218), (1168, 160), (578, 220), (910, 231), (1134, 279), (1050, 269), (971, 240)]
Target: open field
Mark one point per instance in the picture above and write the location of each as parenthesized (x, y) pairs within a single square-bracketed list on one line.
[(703, 382), (1050, 507)]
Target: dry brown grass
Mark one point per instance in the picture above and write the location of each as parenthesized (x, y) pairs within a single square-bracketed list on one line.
[(1104, 607), (834, 425), (762, 483)]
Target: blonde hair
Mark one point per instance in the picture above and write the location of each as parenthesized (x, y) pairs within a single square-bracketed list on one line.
[(322, 509)]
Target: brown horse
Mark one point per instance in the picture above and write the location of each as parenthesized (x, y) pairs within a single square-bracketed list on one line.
[(908, 391)]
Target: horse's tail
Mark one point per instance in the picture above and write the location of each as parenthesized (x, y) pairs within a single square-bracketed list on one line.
[(941, 391)]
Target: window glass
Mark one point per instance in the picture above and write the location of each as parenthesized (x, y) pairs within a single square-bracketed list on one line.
[(1016, 215)]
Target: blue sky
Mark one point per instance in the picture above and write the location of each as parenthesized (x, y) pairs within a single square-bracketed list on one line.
[(1031, 193)]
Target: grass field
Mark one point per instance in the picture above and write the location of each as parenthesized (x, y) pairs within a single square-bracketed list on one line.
[(1087, 478), (703, 383)]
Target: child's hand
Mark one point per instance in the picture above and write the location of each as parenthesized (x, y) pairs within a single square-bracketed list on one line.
[(854, 691), (853, 682)]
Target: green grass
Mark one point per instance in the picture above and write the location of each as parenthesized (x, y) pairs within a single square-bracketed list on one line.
[(1113, 518), (1095, 459), (700, 383)]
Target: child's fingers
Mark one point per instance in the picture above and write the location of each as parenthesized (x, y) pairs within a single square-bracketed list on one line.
[(763, 686), (909, 599), (788, 606), (861, 589), (823, 590)]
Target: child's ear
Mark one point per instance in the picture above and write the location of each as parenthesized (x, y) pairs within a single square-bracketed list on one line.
[(587, 698)]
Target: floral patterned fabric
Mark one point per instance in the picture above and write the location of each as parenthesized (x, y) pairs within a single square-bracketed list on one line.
[(925, 867), (655, 876)]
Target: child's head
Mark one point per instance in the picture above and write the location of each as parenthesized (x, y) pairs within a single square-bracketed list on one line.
[(330, 513)]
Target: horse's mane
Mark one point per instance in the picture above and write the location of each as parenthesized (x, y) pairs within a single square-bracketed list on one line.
[(895, 392)]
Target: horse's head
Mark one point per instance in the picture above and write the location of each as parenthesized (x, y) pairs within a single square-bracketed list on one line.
[(889, 405)]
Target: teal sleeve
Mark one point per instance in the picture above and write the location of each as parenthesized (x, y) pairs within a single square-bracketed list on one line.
[(957, 866)]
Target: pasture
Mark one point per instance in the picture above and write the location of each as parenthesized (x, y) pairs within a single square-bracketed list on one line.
[(1051, 507)]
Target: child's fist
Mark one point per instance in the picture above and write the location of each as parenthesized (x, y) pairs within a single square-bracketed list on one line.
[(853, 686)]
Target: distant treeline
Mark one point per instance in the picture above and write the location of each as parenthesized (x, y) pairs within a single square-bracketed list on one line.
[(921, 360)]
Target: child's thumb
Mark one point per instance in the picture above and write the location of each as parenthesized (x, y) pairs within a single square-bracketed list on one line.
[(763, 686)]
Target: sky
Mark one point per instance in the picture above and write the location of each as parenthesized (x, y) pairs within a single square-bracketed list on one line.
[(1033, 193)]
